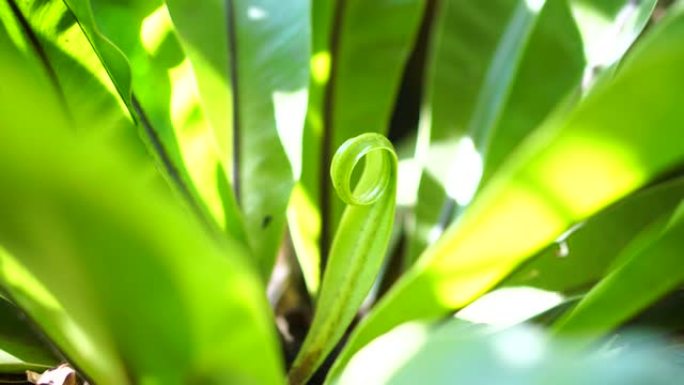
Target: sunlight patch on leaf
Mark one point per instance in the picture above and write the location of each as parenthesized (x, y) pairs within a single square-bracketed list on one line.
[(320, 67), (459, 164), (434, 233), (601, 32), (410, 169), (20, 279), (75, 44), (198, 149), (155, 28), (466, 172), (389, 352), (184, 93), (290, 110), (539, 204), (535, 5), (408, 179), (607, 166), (524, 219), (256, 13), (509, 306), (608, 36), (8, 359), (302, 213), (519, 210)]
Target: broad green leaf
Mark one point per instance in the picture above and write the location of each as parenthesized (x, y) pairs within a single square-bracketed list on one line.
[(148, 293), (20, 348), (358, 248), (35, 300), (458, 353), (92, 351), (251, 62), (82, 79), (554, 53), (649, 271), (140, 50), (539, 41), (512, 101), (464, 37), (502, 71), (303, 212), (53, 40), (582, 257), (359, 49), (571, 168)]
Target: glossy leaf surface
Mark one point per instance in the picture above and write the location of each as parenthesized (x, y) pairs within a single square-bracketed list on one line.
[(251, 60), (650, 269), (359, 51), (583, 256), (569, 170), (126, 282), (476, 120), (140, 50), (462, 138), (463, 40)]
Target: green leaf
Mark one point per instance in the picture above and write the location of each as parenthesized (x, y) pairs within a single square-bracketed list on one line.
[(132, 286), (582, 257), (608, 29), (78, 343), (511, 101), (358, 248), (458, 353), (251, 61), (553, 52), (20, 348), (502, 72), (574, 166), (359, 50), (651, 269), (138, 46), (463, 40), (55, 44), (28, 293)]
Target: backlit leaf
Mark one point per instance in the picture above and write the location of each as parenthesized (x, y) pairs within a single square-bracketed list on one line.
[(568, 171)]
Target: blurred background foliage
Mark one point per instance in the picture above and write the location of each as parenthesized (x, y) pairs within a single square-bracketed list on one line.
[(168, 211)]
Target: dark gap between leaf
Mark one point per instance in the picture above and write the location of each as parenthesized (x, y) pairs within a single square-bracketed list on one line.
[(328, 109), (34, 41), (406, 114), (233, 60)]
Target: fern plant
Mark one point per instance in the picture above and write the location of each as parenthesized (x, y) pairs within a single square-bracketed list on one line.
[(204, 192)]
